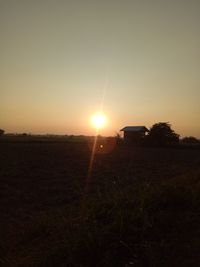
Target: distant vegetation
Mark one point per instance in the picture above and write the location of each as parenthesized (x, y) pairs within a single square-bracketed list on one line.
[(190, 140), (160, 134), (1, 132), (51, 138)]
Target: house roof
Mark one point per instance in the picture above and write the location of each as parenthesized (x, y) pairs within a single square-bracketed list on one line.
[(134, 129)]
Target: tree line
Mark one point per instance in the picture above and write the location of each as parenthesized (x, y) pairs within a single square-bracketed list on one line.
[(162, 134)]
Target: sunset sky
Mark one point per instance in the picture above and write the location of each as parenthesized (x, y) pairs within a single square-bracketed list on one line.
[(61, 61)]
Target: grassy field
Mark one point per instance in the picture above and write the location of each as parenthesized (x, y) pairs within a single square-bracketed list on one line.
[(139, 206)]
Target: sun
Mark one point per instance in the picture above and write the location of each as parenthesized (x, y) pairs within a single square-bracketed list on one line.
[(99, 120)]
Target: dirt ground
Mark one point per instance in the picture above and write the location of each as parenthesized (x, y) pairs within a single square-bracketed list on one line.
[(129, 201)]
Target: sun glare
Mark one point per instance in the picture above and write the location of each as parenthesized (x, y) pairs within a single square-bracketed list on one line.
[(99, 120)]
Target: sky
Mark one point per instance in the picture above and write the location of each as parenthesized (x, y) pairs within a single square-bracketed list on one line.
[(61, 61)]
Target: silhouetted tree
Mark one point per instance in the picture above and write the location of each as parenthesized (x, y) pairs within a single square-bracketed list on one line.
[(1, 132), (161, 134)]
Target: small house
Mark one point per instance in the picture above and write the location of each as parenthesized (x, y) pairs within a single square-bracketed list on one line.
[(134, 134)]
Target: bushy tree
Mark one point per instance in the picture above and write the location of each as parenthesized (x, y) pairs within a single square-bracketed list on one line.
[(1, 132), (161, 134)]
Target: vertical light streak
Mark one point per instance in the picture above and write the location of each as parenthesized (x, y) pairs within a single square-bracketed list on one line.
[(88, 178), (90, 167), (91, 162)]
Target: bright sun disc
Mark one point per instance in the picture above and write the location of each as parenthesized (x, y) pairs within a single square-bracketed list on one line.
[(99, 120)]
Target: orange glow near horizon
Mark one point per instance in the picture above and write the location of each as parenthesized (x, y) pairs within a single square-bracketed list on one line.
[(60, 65)]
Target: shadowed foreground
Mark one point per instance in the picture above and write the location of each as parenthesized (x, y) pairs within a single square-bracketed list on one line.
[(141, 208)]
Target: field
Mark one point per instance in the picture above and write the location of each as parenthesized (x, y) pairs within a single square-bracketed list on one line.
[(135, 207)]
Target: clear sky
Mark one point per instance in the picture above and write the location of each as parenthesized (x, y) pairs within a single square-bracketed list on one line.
[(60, 59)]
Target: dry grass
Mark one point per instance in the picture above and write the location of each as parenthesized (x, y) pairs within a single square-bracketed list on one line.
[(141, 208)]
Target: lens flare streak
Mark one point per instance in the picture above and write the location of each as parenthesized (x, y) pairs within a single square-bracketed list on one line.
[(91, 162)]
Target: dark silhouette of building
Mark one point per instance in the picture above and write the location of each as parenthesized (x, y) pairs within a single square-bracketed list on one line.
[(134, 134)]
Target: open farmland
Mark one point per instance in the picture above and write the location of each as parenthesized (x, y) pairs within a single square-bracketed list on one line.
[(139, 207)]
